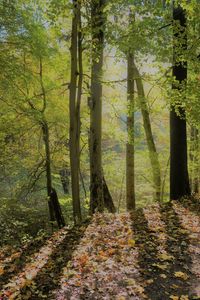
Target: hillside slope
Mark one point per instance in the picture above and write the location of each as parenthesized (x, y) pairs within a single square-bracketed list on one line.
[(153, 253)]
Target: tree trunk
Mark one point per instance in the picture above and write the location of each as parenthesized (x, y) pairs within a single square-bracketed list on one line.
[(64, 177), (153, 155), (130, 163), (45, 131), (57, 209), (74, 127), (54, 206), (194, 151), (179, 178), (96, 177), (108, 201)]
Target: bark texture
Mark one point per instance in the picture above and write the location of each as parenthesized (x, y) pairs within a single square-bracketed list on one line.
[(179, 178), (130, 161), (194, 158), (108, 201), (74, 133), (53, 203), (96, 176)]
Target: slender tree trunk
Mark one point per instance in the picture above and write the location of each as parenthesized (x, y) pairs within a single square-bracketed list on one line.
[(196, 167), (74, 127), (64, 177), (53, 203), (108, 201), (194, 151), (96, 176), (45, 131), (80, 80), (130, 163), (54, 206), (179, 178), (153, 154)]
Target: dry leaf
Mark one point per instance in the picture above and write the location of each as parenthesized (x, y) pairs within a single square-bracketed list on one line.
[(181, 275)]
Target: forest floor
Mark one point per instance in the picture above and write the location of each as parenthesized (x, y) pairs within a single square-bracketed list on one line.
[(153, 253)]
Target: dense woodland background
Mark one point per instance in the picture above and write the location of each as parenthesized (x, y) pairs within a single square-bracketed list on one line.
[(86, 90)]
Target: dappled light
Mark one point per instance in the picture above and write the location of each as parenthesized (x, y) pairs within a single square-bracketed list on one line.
[(99, 150), (150, 254)]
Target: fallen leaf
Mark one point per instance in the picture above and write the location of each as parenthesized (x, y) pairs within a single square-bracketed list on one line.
[(184, 297), (131, 243), (164, 256), (1, 271), (174, 297), (149, 281), (160, 266), (181, 275)]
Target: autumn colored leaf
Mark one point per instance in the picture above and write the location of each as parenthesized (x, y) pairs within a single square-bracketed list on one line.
[(181, 275), (172, 297)]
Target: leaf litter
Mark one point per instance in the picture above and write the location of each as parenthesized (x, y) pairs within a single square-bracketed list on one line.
[(153, 253)]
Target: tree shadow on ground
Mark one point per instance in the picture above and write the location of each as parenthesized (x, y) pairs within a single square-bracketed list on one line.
[(192, 203), (158, 273), (17, 263), (177, 246), (48, 278)]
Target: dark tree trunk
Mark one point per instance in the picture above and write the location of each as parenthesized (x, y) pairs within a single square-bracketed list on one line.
[(64, 177), (54, 206), (179, 179), (194, 158), (96, 176), (57, 209), (74, 132), (108, 201), (45, 130), (130, 159)]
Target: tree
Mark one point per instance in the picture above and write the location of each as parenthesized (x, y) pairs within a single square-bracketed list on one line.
[(95, 140), (153, 154), (53, 203), (74, 110), (194, 157), (130, 176), (179, 178)]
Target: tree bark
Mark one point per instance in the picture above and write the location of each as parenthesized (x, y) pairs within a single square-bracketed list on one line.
[(194, 151), (55, 214), (45, 131), (57, 209), (153, 154), (179, 178), (64, 177), (108, 201), (96, 176), (53, 203), (130, 160), (74, 127)]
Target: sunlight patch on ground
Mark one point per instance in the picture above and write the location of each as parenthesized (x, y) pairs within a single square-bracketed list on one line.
[(191, 223), (157, 226), (105, 264), (30, 271)]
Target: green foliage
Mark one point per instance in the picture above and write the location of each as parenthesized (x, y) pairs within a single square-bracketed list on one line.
[(18, 223), (37, 31)]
